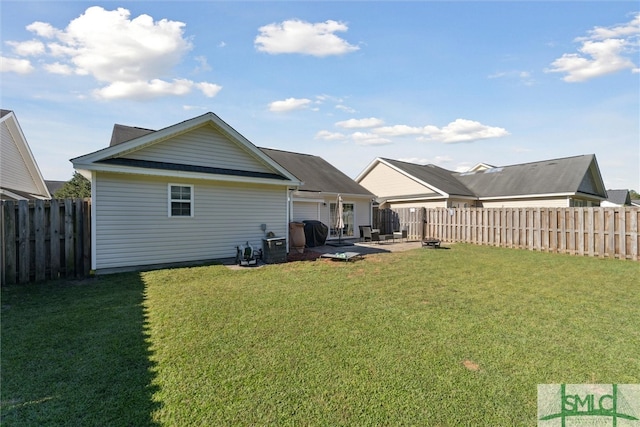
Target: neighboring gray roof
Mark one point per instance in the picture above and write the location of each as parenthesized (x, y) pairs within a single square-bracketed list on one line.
[(567, 175), (4, 112), (619, 197), (435, 176), (570, 175), (316, 173), (54, 186), (122, 133)]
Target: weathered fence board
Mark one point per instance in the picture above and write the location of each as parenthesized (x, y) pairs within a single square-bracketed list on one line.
[(410, 219), (596, 232), (45, 240)]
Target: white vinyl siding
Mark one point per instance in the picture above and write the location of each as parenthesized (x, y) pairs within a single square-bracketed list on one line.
[(14, 173), (305, 211), (440, 203), (204, 146), (384, 182), (558, 202), (132, 227)]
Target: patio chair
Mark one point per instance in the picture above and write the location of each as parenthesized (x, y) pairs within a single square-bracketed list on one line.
[(402, 234), (365, 233)]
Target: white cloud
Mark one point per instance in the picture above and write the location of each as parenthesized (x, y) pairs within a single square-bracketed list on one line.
[(43, 29), (58, 68), (128, 55), (12, 65), (463, 167), (602, 52), (399, 130), (296, 36), (345, 108), (363, 138), (424, 161), (208, 89), (154, 89), (28, 48), (462, 130), (524, 77), (330, 136), (360, 123), (289, 104), (203, 65), (629, 29)]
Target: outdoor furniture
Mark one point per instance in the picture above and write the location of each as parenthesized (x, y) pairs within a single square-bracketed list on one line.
[(342, 256), (375, 235), (402, 234), (365, 233), (431, 242)]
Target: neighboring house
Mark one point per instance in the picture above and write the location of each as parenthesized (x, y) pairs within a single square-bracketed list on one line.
[(316, 198), (54, 186), (20, 177), (617, 198), (571, 181), (193, 191)]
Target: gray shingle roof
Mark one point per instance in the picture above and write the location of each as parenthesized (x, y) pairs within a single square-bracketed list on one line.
[(122, 133), (440, 178), (566, 175), (578, 174), (316, 173), (619, 197)]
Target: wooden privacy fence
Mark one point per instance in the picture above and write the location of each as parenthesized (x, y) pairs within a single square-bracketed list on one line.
[(597, 232), (45, 239), (410, 219)]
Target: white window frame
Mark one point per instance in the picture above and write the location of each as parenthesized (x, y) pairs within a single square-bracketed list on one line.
[(333, 233), (191, 201)]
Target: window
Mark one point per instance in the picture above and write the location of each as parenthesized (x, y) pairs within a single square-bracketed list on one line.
[(180, 200), (347, 218)]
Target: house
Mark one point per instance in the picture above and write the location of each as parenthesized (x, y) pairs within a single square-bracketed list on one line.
[(565, 182), (316, 197), (54, 186), (617, 198), (20, 177), (193, 191)]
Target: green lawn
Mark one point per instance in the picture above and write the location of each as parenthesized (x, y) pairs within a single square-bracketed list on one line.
[(426, 337)]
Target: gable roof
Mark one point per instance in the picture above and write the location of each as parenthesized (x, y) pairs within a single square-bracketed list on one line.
[(316, 174), (122, 133), (438, 179), (127, 139), (619, 197), (564, 176), (20, 176), (570, 175)]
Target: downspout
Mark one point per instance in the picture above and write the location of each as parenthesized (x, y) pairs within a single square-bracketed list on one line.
[(94, 217), (289, 211)]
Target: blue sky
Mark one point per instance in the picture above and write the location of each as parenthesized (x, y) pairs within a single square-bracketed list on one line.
[(448, 83)]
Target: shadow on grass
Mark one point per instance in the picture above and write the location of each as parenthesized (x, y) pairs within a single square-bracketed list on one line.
[(76, 353)]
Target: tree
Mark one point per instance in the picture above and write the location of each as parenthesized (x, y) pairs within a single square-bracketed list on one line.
[(634, 195), (76, 187)]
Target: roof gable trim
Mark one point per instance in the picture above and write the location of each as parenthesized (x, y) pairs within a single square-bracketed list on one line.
[(414, 178), (189, 168), (136, 144)]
